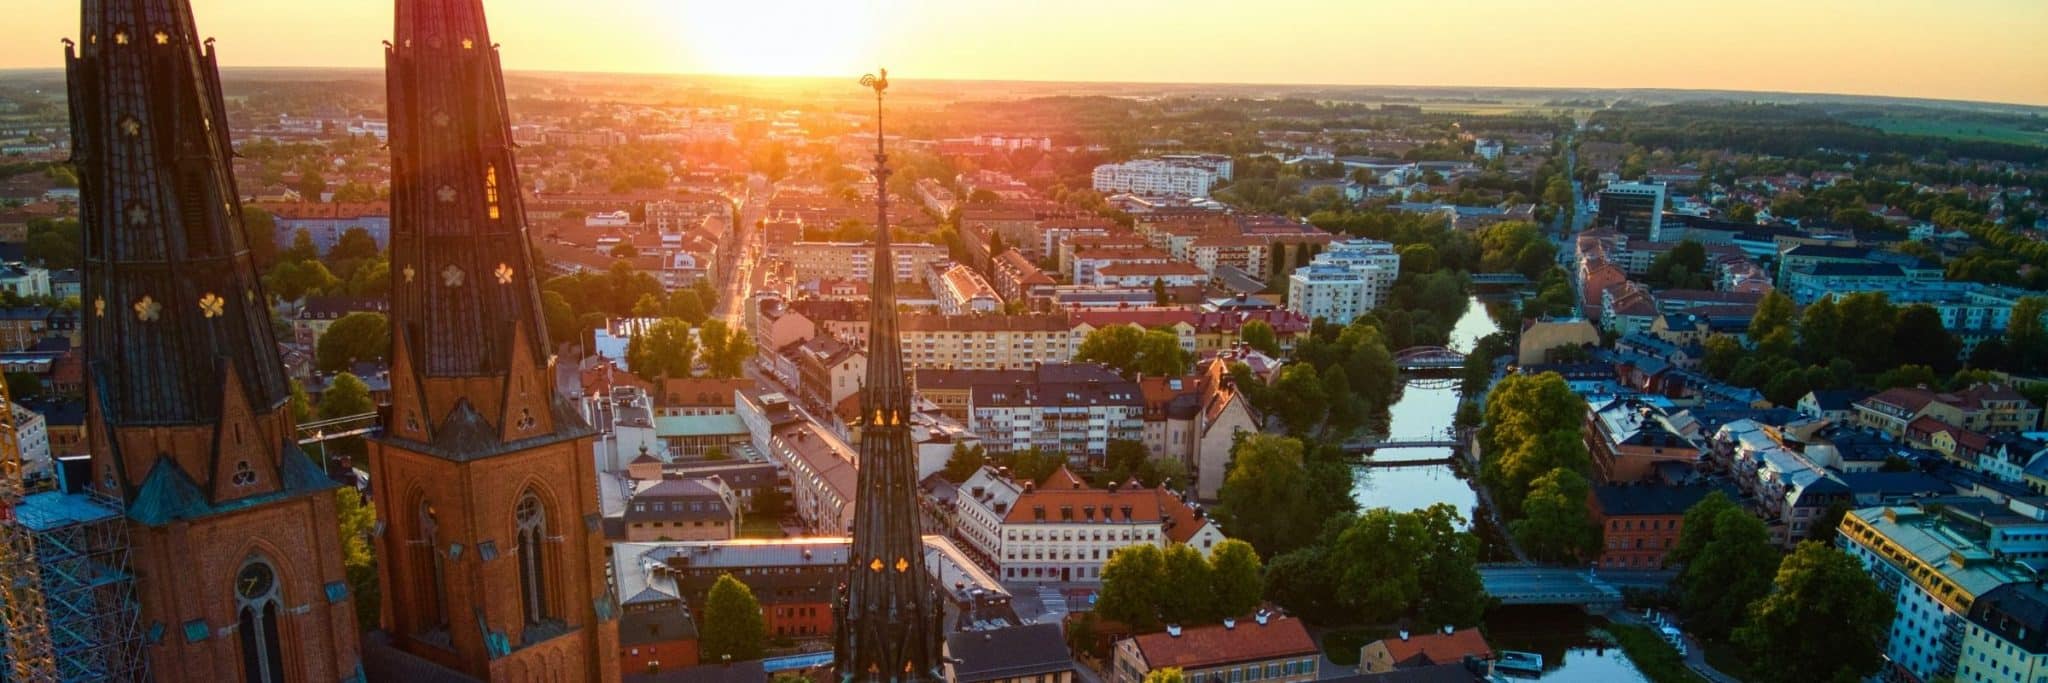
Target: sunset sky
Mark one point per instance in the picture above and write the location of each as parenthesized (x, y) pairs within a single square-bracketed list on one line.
[(1988, 50)]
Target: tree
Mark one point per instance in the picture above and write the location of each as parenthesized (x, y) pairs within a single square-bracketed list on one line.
[(1773, 315), (346, 395), (1908, 376), (259, 230), (359, 562), (1134, 351), (1132, 580), (1532, 427), (625, 250), (965, 461), (1159, 295), (1684, 266), (1184, 597), (1167, 675), (294, 280), (1261, 498), (1259, 335), (302, 248), (1820, 331), (563, 326), (1732, 570), (22, 385), (1298, 398), (1305, 580), (311, 186), (1697, 527), (356, 337), (1555, 525), (301, 404), (1395, 564), (1722, 354), (2025, 333), (1164, 470), (1124, 458), (733, 628), (353, 245), (1920, 338), (664, 349), (726, 350), (1234, 578), (1818, 590)]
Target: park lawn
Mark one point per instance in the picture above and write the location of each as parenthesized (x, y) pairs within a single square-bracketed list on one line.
[(1960, 130), (1655, 658), (761, 527)]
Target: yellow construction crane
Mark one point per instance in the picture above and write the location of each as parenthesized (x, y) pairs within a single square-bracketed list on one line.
[(30, 656)]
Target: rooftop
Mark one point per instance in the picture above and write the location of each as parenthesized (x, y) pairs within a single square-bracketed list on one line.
[(1214, 645)]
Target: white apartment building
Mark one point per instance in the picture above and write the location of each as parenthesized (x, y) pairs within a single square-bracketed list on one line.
[(1065, 530), (1071, 409), (1345, 282), (1154, 177), (32, 433), (985, 342)]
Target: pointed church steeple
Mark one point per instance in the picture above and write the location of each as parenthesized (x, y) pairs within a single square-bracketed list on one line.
[(465, 303), (177, 331), (888, 621)]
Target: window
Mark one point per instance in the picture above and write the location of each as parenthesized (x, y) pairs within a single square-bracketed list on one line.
[(256, 609), (532, 522), (491, 190), (430, 557)]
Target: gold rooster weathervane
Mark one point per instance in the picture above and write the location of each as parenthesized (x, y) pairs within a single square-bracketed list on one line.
[(879, 83)]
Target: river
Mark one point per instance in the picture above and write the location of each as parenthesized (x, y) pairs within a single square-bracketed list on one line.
[(1571, 653)]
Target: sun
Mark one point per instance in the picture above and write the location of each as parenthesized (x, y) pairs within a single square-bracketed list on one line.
[(774, 37)]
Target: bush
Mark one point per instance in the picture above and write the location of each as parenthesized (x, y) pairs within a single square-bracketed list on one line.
[(1657, 659)]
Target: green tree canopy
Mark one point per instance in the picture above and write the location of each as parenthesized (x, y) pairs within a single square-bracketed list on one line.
[(1259, 335), (732, 626), (356, 337), (1234, 578), (1555, 524), (964, 462), (1132, 581), (1185, 598), (1262, 498), (1133, 351), (1732, 570), (359, 561), (1817, 589), (1414, 564)]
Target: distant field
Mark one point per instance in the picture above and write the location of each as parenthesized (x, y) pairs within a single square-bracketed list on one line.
[(1961, 130)]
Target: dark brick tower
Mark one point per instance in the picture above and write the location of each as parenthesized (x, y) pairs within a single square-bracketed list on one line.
[(492, 560), (237, 553), (888, 626)]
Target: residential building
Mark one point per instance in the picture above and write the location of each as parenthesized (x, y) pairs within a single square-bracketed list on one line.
[(1834, 405), (696, 509), (1630, 435), (850, 260), (1220, 413), (1154, 177), (1934, 570), (1032, 653), (962, 291), (1132, 274), (681, 396), (325, 222), (1345, 282), (796, 580), (2007, 638), (829, 370), (1889, 411), (1065, 531), (1269, 648), (22, 326), (1409, 651), (1633, 209), (32, 437), (985, 341), (1640, 524), (1072, 409), (24, 280), (1018, 279), (821, 474), (320, 312), (1792, 492)]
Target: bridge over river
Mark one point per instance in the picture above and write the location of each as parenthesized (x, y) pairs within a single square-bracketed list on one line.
[(1529, 584)]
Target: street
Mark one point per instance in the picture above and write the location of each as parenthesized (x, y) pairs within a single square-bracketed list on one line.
[(742, 253)]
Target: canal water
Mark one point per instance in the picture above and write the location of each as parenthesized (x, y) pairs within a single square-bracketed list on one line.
[(1569, 640), (1424, 411)]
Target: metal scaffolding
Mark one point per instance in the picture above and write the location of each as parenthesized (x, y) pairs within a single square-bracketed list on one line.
[(91, 618)]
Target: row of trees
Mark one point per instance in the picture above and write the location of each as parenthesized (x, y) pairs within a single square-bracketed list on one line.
[(1535, 463), (1859, 340), (1144, 586), (1133, 351), (669, 348), (1736, 587), (1343, 377)]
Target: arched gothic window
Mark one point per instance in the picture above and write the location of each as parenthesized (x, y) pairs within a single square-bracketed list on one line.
[(257, 615), (531, 516), (491, 189), (430, 557)]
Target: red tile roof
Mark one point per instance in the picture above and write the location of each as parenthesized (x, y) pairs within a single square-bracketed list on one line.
[(1207, 646), (1438, 648)]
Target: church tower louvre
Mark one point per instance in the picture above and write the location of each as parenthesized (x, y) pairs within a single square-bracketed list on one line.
[(236, 548), (888, 618), (491, 557)]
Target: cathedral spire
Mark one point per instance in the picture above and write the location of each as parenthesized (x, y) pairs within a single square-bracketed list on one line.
[(177, 330), (888, 624), (465, 308)]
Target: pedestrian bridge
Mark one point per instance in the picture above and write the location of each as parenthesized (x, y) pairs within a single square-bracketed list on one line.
[(1520, 584), (1425, 358)]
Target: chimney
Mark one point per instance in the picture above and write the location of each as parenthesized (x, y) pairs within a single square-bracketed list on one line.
[(1229, 623), (1173, 630), (1449, 629), (1263, 616), (1404, 635)]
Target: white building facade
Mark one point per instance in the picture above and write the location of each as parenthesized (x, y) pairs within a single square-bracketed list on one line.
[(1345, 282), (1154, 177)]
